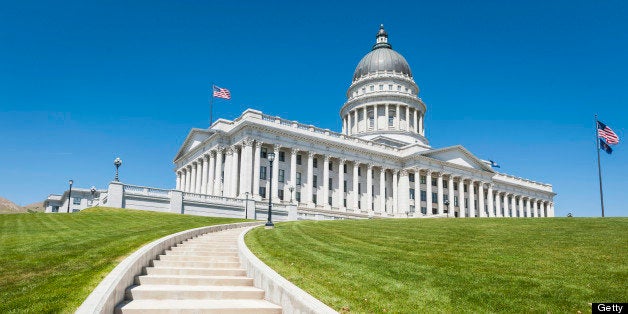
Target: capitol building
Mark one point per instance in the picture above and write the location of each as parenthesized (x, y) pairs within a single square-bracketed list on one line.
[(380, 165)]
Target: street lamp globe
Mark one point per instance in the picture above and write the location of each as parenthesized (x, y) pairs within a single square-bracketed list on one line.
[(117, 162), (271, 157)]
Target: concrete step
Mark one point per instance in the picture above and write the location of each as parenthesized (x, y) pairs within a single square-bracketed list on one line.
[(203, 253), (208, 246), (192, 271), (157, 263), (194, 258), (189, 292), (193, 280), (199, 306)]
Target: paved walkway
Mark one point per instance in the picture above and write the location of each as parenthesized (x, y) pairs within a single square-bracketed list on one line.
[(201, 275)]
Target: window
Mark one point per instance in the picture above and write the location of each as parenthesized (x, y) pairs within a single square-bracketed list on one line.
[(433, 182), (391, 117), (398, 88), (344, 201), (262, 191), (423, 179), (76, 201), (465, 188), (445, 197), (298, 159), (363, 90), (434, 198), (314, 181), (455, 200), (262, 172), (372, 88), (331, 166), (411, 177), (423, 210), (330, 184), (315, 163), (411, 194), (345, 168), (75, 210), (359, 172), (280, 194), (298, 196), (314, 199), (466, 202), (445, 184), (381, 87), (282, 156), (359, 188), (282, 174), (423, 196), (55, 209), (455, 187), (264, 152), (329, 200), (298, 179), (371, 119), (345, 186), (390, 87)]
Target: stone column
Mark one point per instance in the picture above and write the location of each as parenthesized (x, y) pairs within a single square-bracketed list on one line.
[(364, 119), (326, 181), (489, 199), (428, 191), (354, 190), (421, 131), (397, 118), (194, 174), (369, 188), (256, 169), (382, 190), (417, 190), (293, 172), (395, 191), (498, 207), (188, 179), (309, 189), (178, 185), (481, 209), (407, 118), (235, 172), (451, 195), (211, 173), (199, 172), (275, 190), (246, 167), (404, 191), (340, 195), (387, 117), (527, 205), (440, 193), (535, 211), (218, 172), (376, 117), (416, 121), (203, 187), (471, 198), (463, 211), (520, 206), (551, 210), (226, 180)]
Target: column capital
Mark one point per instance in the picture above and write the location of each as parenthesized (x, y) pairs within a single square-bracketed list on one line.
[(437, 174), (403, 172), (258, 143), (369, 166), (310, 154), (294, 151), (356, 164), (326, 157), (276, 148), (247, 142), (189, 166), (342, 160), (428, 172), (220, 149), (229, 150)]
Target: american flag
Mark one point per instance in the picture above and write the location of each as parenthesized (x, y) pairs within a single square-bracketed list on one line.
[(603, 131), (220, 92)]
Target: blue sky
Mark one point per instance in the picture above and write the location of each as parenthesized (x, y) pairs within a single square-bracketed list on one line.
[(514, 81)]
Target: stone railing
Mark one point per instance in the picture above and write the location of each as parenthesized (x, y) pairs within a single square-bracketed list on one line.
[(145, 191), (326, 132), (204, 198)]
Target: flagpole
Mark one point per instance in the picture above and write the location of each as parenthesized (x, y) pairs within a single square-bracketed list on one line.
[(211, 106), (599, 168)]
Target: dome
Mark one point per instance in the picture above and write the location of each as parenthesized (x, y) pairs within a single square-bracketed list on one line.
[(382, 58)]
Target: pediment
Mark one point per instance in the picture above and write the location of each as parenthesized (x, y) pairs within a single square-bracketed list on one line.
[(458, 155), (194, 138)]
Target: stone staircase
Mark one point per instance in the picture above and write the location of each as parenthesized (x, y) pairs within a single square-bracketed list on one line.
[(201, 275)]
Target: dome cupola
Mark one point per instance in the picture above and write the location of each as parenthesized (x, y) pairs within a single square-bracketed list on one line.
[(382, 101)]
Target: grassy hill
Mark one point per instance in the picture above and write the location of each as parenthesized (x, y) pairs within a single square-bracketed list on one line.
[(556, 265), (51, 262)]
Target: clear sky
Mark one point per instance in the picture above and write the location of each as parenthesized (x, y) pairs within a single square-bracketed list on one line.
[(518, 82)]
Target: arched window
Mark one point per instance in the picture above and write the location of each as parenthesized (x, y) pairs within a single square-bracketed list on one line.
[(371, 116), (391, 117)]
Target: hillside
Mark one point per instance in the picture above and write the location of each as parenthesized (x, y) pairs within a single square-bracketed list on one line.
[(8, 207), (35, 207), (548, 265)]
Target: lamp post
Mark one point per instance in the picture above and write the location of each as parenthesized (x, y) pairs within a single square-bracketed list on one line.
[(291, 188), (70, 194), (269, 224), (93, 191), (117, 163), (447, 204), (246, 206)]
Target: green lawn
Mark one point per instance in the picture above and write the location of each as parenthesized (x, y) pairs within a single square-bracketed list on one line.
[(556, 265), (51, 262)]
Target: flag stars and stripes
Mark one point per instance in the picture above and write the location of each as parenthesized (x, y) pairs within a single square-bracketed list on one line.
[(220, 92), (605, 132)]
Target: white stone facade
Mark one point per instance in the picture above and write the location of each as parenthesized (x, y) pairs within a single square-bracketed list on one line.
[(381, 163)]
